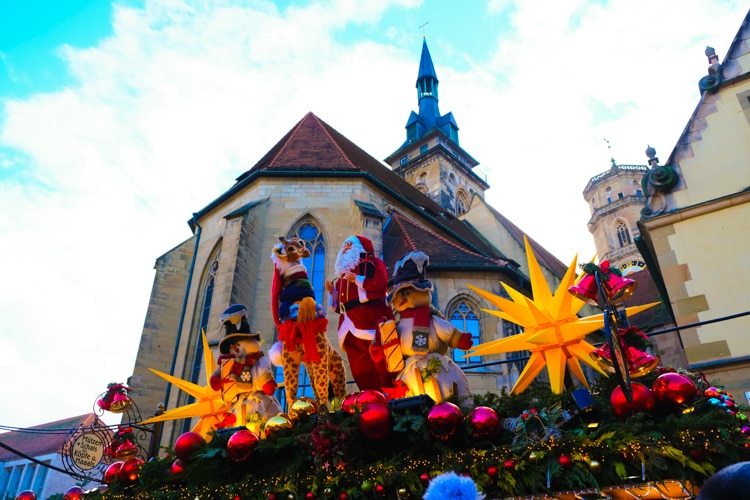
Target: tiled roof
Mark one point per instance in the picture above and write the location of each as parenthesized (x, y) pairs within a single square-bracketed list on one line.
[(543, 256), (403, 235), (42, 439)]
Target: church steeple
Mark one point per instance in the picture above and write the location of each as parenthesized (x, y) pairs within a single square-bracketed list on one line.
[(427, 89), (431, 159)]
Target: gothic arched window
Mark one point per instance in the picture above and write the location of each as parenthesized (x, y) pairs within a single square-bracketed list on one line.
[(462, 203), (623, 234), (464, 317)]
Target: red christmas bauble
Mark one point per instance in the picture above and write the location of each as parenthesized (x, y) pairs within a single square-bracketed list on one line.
[(130, 470), (425, 478), (509, 465), (375, 421), (484, 422), (643, 401), (241, 445), (112, 472), (380, 490), (349, 404), (73, 493), (26, 495), (178, 467), (565, 461), (492, 472), (674, 390), (368, 396), (444, 419), (187, 444)]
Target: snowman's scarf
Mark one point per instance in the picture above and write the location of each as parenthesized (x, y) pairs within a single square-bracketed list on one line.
[(421, 328)]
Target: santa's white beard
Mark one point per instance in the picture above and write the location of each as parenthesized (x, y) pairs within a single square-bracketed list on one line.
[(347, 261)]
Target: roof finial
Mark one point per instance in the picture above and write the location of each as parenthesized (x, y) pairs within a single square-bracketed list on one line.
[(424, 35), (609, 147)]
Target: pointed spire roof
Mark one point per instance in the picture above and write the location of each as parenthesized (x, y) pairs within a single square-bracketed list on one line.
[(426, 68)]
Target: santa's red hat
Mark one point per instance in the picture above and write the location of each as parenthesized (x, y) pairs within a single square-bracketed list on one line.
[(364, 242)]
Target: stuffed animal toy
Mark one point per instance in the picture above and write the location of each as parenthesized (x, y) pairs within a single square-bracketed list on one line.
[(425, 336), (302, 325), (244, 375)]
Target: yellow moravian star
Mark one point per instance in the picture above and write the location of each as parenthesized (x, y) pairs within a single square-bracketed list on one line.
[(552, 330)]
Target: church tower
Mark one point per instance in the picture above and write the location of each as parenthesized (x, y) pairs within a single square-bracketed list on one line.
[(615, 199), (431, 159)]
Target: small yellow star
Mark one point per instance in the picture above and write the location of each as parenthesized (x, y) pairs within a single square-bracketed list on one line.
[(553, 332), (209, 405)]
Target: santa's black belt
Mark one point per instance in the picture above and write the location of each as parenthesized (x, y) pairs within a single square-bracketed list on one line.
[(346, 306)]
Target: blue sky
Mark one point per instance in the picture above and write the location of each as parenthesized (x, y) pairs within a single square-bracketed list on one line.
[(118, 121)]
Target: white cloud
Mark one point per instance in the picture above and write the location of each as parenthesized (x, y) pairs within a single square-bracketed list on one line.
[(184, 97)]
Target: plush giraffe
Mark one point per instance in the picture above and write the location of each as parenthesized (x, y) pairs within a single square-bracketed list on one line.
[(302, 325)]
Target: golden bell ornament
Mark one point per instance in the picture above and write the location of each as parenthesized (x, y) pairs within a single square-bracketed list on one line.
[(120, 403)]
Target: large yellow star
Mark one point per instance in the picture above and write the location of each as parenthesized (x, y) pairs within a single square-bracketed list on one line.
[(553, 332), (209, 405)]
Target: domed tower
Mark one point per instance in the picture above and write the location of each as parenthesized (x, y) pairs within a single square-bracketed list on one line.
[(615, 199), (431, 159)]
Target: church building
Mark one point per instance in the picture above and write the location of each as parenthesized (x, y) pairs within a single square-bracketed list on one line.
[(318, 185)]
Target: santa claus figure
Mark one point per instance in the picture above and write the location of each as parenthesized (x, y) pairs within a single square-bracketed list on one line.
[(358, 296), (425, 336)]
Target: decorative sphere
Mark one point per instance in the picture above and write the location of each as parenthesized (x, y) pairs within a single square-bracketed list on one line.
[(533, 457), (375, 421), (595, 466), (26, 495), (484, 422), (112, 472), (643, 401), (241, 445), (425, 479), (380, 490), (73, 493), (349, 404), (565, 461), (711, 392), (277, 424), (492, 472), (674, 390), (130, 470), (178, 467), (187, 444), (444, 419), (369, 396), (366, 486), (509, 465), (303, 407)]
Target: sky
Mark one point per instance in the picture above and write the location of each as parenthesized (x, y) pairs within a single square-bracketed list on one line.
[(120, 120)]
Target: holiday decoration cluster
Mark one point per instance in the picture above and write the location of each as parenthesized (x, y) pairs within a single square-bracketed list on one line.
[(414, 418)]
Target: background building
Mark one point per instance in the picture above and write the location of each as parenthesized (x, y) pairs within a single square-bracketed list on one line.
[(695, 228)]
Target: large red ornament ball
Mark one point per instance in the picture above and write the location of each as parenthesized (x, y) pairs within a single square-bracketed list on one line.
[(349, 404), (375, 421), (130, 470), (484, 422), (444, 419), (643, 401), (26, 495), (73, 493), (241, 445), (674, 390), (368, 396), (187, 444), (112, 472)]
